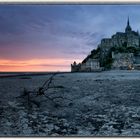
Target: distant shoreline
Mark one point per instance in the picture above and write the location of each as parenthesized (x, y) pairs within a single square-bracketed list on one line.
[(17, 74)]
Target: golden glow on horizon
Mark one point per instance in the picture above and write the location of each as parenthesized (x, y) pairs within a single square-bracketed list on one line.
[(36, 65)]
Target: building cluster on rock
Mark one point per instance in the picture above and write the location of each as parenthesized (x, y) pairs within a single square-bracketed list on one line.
[(121, 51)]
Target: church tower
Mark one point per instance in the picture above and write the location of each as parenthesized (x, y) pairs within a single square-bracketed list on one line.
[(128, 28)]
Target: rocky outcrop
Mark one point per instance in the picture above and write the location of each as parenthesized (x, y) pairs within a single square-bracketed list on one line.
[(122, 60)]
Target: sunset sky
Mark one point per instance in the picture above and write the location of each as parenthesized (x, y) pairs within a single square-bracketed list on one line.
[(51, 37)]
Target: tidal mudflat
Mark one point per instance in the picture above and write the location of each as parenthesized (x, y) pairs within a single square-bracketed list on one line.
[(84, 104)]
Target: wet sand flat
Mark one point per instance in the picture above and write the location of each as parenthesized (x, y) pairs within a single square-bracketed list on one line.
[(89, 104)]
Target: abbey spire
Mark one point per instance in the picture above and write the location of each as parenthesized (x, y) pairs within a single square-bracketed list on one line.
[(128, 28)]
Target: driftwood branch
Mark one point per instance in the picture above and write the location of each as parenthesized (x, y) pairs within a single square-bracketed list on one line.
[(42, 91), (45, 86)]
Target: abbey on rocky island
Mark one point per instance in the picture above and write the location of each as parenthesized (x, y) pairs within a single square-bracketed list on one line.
[(121, 51)]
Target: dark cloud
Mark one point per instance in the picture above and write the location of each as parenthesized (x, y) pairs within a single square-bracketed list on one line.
[(63, 31)]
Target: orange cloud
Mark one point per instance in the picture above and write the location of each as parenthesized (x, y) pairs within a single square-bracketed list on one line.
[(36, 65)]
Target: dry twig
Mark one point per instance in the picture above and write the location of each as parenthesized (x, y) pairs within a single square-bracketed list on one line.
[(42, 91)]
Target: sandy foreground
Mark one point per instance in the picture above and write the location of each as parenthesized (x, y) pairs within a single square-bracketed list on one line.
[(85, 104)]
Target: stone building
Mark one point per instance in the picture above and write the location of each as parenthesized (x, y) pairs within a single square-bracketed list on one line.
[(124, 46), (91, 65), (75, 67), (126, 39)]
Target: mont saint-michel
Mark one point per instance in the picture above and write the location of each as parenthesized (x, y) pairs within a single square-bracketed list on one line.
[(121, 51)]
